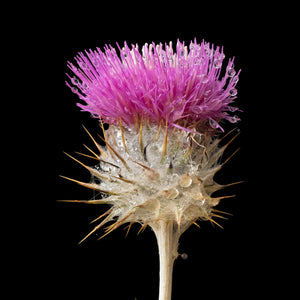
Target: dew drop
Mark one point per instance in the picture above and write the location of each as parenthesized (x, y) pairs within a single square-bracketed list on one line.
[(197, 62), (75, 80), (85, 86), (184, 256), (83, 65), (233, 92), (119, 143), (213, 123), (197, 110), (235, 79), (74, 90), (217, 64), (232, 109), (171, 193), (204, 79), (95, 62), (185, 180), (231, 72), (234, 119)]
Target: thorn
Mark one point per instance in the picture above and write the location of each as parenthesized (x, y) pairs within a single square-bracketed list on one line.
[(142, 229), (97, 145), (222, 138), (110, 229), (192, 137), (95, 229), (224, 197), (141, 135), (89, 156), (100, 201), (196, 224), (92, 186), (164, 150), (230, 157), (109, 163), (203, 155), (98, 218), (213, 221), (88, 168), (123, 179), (143, 166), (218, 216), (158, 131), (102, 127), (231, 184), (116, 153), (152, 174), (188, 152), (228, 133), (128, 229), (136, 122), (91, 170), (222, 212), (225, 146), (115, 225), (178, 225), (96, 156), (122, 133)]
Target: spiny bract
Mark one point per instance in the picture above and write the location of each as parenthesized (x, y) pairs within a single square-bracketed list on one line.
[(156, 174)]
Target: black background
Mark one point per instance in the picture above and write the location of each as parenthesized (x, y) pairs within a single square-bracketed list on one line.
[(234, 262)]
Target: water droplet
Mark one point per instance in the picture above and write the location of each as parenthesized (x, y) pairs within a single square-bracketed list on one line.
[(233, 92), (234, 119), (184, 256), (204, 79), (74, 90), (171, 193), (197, 62), (185, 180), (231, 72), (75, 80), (119, 143), (213, 123), (83, 65), (95, 62), (235, 79), (197, 110), (85, 86), (208, 52), (232, 109), (217, 64)]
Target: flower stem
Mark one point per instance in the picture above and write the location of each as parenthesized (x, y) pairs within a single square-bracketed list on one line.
[(167, 239)]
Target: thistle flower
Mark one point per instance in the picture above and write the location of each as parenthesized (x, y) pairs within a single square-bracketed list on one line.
[(158, 85), (164, 111)]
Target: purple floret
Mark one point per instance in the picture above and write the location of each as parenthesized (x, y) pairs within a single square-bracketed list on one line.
[(179, 88)]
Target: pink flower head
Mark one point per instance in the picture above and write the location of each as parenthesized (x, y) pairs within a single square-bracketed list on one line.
[(179, 88)]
